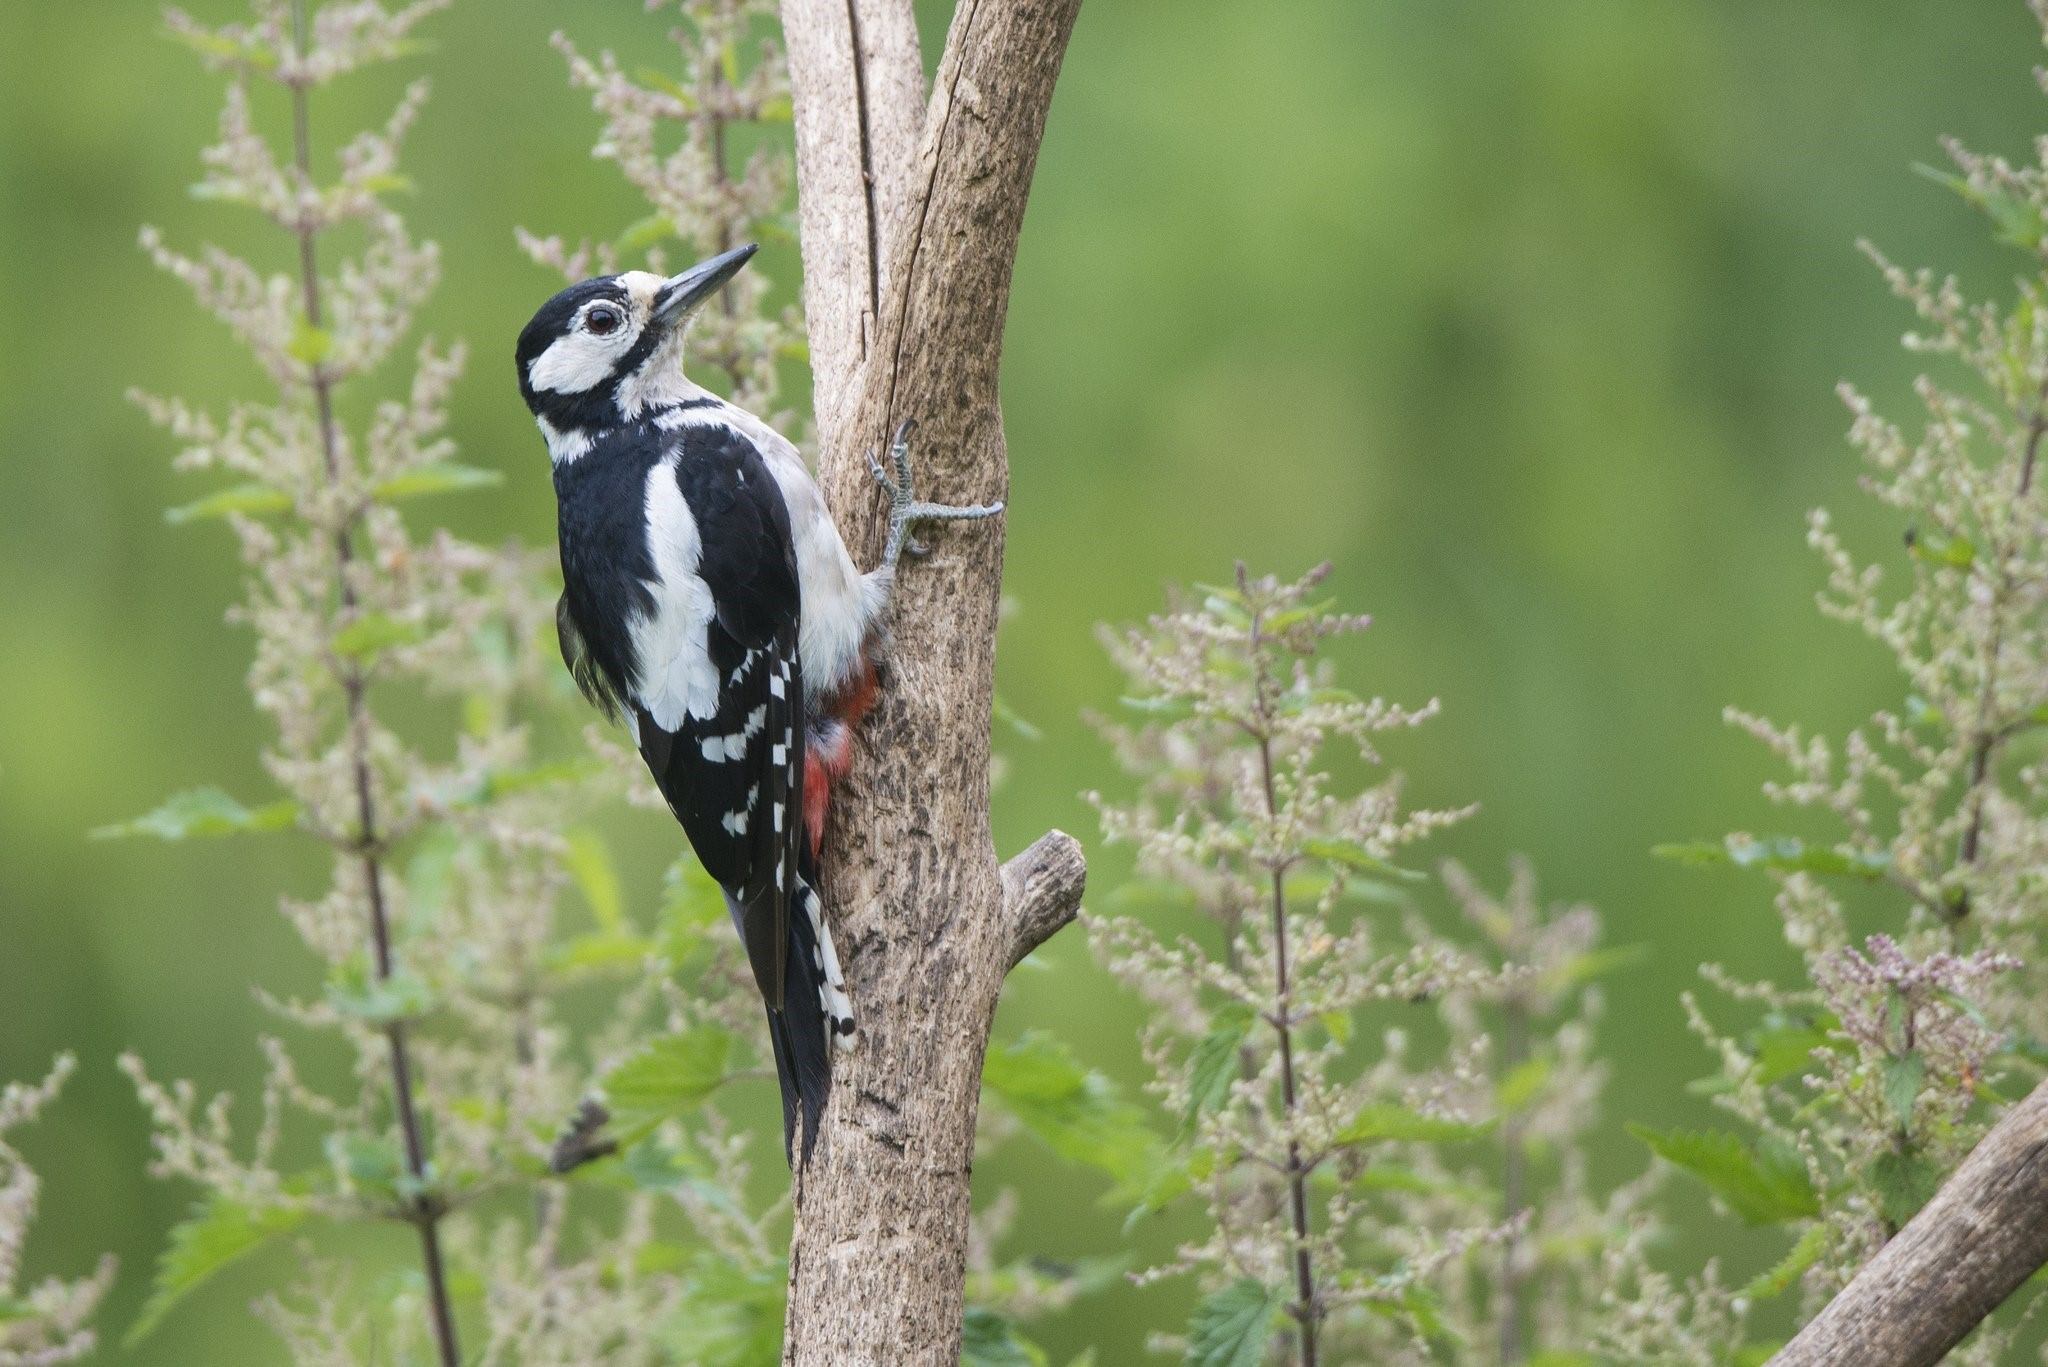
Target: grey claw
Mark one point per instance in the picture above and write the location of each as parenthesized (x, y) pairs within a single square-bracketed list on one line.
[(915, 549)]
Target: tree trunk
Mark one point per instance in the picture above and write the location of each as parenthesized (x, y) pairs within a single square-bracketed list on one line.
[(1984, 1233), (910, 217)]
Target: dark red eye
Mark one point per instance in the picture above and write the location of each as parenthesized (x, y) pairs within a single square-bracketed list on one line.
[(602, 319)]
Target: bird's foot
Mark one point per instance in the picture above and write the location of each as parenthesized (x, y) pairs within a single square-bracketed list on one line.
[(905, 509)]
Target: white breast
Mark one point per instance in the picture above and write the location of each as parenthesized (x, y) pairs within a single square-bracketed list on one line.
[(675, 675)]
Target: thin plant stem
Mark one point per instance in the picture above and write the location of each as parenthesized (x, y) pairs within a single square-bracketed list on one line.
[(1990, 734), (1514, 1184), (1305, 1309), (424, 1211)]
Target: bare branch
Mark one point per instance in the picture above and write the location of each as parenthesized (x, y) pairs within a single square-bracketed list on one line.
[(1042, 891), (1983, 1234)]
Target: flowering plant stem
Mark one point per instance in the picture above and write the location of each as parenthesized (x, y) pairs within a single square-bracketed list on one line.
[(1304, 1309), (426, 1209)]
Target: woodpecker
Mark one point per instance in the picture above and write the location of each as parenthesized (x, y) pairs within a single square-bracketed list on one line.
[(711, 607)]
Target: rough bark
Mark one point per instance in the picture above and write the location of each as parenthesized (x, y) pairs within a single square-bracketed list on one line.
[(1984, 1233), (907, 262)]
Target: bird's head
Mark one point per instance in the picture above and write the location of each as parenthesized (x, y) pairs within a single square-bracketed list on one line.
[(604, 351)]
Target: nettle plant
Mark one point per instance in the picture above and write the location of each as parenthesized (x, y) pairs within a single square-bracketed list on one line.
[(1377, 1098), (447, 936), (1861, 1088), (51, 1321)]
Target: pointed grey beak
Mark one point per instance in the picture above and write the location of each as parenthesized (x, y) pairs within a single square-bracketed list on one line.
[(681, 294)]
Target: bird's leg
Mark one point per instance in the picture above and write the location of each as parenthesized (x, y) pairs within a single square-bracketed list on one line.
[(905, 509)]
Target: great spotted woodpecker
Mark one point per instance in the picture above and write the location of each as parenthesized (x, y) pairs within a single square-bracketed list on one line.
[(711, 606)]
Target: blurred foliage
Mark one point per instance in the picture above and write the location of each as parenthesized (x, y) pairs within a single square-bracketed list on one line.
[(1527, 317)]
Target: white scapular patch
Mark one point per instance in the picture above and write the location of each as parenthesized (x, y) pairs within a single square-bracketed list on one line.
[(674, 676), (840, 604)]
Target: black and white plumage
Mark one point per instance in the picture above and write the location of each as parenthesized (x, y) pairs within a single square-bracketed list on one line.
[(711, 606)]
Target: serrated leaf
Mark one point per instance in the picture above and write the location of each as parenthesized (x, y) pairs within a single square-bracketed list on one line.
[(1903, 1182), (440, 477), (1352, 855), (1785, 1049), (354, 991), (1597, 963), (1075, 1112), (1213, 1066), (1382, 1121), (1903, 1074), (1790, 1268), (1763, 1187), (371, 634), (1780, 854), (219, 1233), (1229, 1328), (654, 78), (987, 1339), (249, 499), (669, 1077), (203, 812)]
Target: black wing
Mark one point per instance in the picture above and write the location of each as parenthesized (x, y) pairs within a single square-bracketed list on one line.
[(590, 679), (734, 779)]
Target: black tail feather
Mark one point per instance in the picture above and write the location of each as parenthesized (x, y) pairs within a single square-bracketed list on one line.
[(801, 1040)]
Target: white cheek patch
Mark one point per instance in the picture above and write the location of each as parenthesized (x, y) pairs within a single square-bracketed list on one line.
[(577, 362)]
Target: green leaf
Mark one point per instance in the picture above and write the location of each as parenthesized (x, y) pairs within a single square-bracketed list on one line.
[(1339, 1023), (1785, 1049), (669, 1077), (1789, 1269), (1523, 1084), (589, 861), (309, 345), (2016, 220), (989, 1340), (1076, 1113), (654, 78), (252, 499), (1230, 1327), (1762, 1188), (1956, 552), (354, 991), (218, 1233), (371, 634), (371, 1160), (203, 811), (1352, 855), (441, 477), (1213, 1066), (1903, 1182), (1903, 1075), (1780, 854), (1380, 1121)]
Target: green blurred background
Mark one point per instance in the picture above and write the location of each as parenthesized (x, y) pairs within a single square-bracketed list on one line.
[(1527, 316)]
